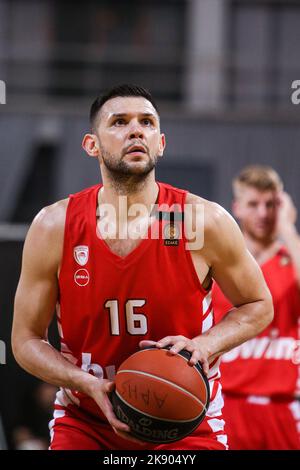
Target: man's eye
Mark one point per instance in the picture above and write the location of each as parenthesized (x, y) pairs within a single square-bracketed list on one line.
[(147, 122), (119, 122)]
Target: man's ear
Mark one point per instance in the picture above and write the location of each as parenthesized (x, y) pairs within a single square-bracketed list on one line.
[(90, 145), (162, 145)]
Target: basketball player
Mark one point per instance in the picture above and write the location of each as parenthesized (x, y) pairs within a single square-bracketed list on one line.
[(261, 378), (114, 293)]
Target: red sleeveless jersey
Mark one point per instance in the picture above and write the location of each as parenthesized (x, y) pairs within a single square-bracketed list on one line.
[(108, 304), (270, 363)]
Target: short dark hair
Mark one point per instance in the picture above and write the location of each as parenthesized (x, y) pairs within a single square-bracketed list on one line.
[(119, 90)]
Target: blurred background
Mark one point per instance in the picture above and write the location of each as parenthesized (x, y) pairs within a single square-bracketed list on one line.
[(221, 72)]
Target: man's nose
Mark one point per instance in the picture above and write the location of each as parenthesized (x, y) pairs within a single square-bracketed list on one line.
[(136, 131), (262, 210)]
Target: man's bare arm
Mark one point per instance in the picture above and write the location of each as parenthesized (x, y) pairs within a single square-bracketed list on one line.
[(242, 282), (35, 302)]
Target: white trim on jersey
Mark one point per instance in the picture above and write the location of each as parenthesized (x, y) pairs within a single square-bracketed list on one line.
[(216, 424), (63, 398), (258, 400), (206, 302), (57, 414), (222, 438), (215, 370), (208, 322), (295, 409), (216, 405)]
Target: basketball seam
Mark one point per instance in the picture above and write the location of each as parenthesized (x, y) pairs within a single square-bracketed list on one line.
[(155, 417), (196, 369), (186, 360), (200, 374), (167, 382), (165, 349)]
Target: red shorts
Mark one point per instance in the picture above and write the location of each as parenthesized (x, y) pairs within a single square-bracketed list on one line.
[(257, 423), (72, 430)]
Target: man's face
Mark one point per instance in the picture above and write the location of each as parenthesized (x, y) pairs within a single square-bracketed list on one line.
[(257, 212), (129, 136)]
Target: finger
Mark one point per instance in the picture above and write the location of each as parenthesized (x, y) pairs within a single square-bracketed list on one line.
[(177, 347), (167, 340), (106, 406), (205, 366), (114, 422), (109, 386), (118, 425), (162, 343), (147, 344), (194, 358)]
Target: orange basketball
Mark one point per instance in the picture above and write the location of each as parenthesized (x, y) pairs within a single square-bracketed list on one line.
[(159, 395)]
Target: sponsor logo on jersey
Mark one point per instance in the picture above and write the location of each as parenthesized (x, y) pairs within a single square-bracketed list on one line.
[(265, 347), (81, 254), (171, 235), (82, 277)]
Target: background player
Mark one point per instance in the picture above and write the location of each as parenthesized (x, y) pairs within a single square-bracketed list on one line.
[(261, 378), (114, 293)]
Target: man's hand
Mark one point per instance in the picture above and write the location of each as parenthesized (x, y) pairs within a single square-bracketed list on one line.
[(198, 348), (99, 392), (287, 214)]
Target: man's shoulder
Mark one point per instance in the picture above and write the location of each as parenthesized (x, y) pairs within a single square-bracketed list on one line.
[(44, 240), (214, 214), (51, 219)]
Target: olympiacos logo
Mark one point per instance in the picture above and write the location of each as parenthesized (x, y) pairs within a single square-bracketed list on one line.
[(81, 254)]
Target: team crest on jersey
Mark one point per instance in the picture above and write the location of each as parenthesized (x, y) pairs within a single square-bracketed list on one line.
[(171, 235), (81, 254), (284, 260)]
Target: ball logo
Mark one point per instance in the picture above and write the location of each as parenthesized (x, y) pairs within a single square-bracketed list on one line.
[(81, 254), (82, 277), (145, 422)]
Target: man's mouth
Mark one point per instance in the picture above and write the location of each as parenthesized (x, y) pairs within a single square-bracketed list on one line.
[(136, 150)]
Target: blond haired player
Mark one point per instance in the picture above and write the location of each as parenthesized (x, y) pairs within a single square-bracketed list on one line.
[(261, 378)]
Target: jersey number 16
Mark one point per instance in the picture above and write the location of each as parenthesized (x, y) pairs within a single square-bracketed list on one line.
[(136, 323)]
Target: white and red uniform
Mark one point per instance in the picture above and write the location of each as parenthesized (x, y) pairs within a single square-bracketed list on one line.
[(108, 304), (261, 378)]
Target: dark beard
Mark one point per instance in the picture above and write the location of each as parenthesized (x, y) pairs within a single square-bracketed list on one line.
[(123, 178)]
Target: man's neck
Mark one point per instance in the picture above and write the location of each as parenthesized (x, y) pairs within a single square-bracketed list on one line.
[(262, 250), (144, 193)]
